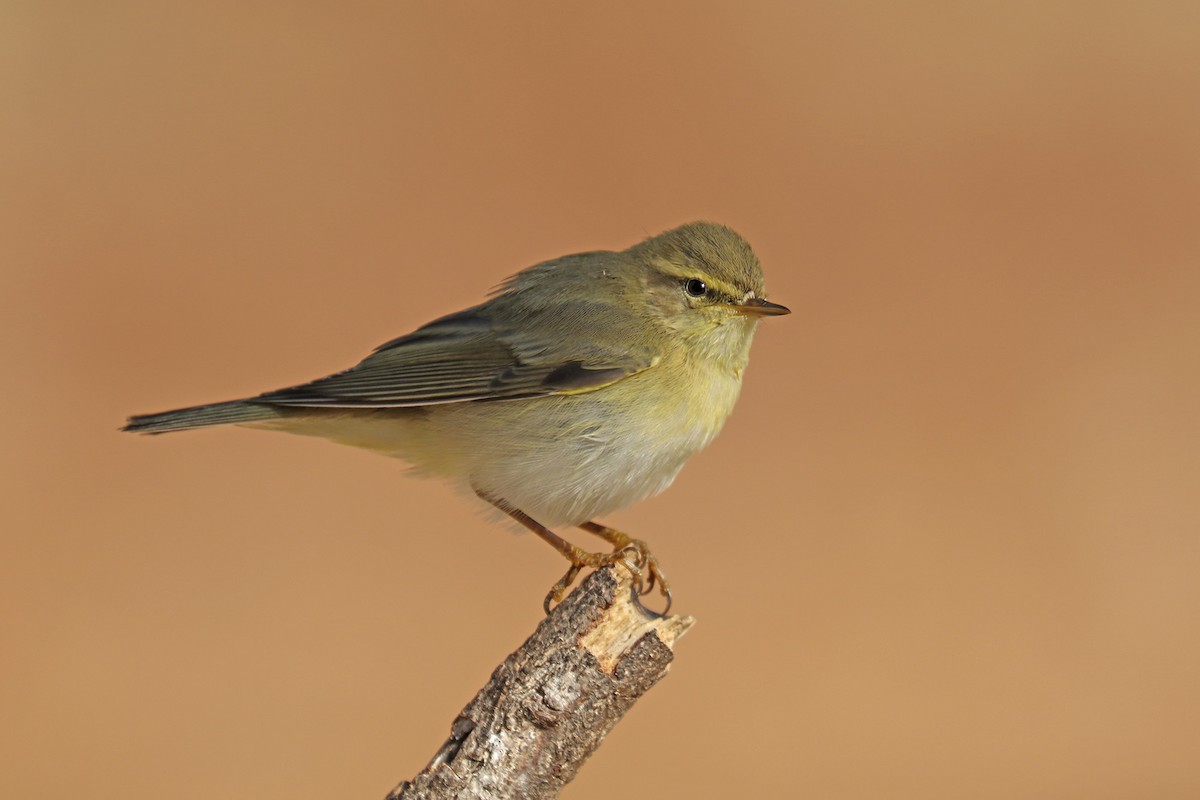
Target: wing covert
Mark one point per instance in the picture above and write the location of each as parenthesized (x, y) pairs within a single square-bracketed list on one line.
[(459, 358)]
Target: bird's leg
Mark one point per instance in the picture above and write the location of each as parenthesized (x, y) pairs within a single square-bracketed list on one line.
[(623, 542), (578, 557)]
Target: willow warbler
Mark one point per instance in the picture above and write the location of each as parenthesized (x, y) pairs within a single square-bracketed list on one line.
[(580, 387)]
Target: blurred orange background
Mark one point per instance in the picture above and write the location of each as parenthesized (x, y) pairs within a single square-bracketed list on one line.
[(948, 546)]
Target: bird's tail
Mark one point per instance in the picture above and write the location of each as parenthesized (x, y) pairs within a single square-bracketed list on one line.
[(234, 412)]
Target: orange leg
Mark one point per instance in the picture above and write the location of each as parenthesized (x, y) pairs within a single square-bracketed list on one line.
[(632, 554)]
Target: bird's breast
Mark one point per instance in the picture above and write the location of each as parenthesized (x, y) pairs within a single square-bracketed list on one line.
[(630, 440), (566, 459)]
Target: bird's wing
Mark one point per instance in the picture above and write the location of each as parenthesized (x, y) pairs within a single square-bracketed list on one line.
[(467, 356)]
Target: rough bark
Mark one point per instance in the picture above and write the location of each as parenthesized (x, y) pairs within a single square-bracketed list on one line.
[(551, 703)]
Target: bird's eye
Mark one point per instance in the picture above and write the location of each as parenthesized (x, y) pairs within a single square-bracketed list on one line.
[(695, 287)]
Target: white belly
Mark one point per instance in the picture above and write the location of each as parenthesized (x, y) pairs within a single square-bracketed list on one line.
[(566, 460)]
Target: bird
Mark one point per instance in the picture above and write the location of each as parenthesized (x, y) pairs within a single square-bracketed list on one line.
[(582, 385)]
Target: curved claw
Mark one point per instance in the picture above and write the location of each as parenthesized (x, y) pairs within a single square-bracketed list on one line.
[(559, 589), (649, 585), (667, 594), (655, 575)]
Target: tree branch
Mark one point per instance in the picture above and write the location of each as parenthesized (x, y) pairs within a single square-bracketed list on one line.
[(551, 703)]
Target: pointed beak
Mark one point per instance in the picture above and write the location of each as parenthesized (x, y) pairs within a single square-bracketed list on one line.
[(753, 307)]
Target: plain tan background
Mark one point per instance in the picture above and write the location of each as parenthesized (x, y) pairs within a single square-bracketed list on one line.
[(948, 546)]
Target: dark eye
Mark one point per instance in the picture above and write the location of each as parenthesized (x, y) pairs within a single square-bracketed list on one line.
[(695, 287)]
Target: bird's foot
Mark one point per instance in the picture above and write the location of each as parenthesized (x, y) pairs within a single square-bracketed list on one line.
[(648, 573), (632, 558)]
